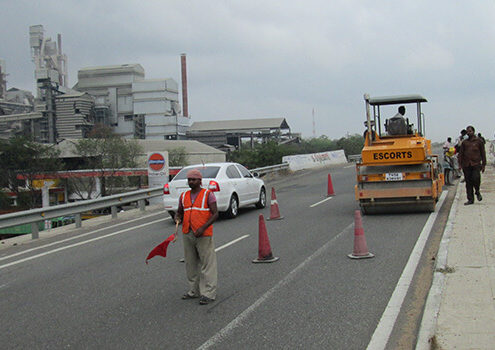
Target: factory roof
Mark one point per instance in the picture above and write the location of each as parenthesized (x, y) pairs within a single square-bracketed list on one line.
[(115, 66), (115, 69), (73, 95), (240, 124), (190, 146), (67, 147)]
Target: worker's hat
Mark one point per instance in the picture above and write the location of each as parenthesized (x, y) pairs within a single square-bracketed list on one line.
[(451, 151)]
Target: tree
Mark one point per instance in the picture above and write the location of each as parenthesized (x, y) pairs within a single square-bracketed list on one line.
[(262, 155), (177, 157), (104, 151), (271, 153), (4, 201), (21, 155), (351, 144)]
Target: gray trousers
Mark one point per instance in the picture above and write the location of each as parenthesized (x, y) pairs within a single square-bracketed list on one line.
[(201, 265)]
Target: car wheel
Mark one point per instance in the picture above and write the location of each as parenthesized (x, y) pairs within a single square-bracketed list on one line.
[(233, 207), (262, 201), (172, 214)]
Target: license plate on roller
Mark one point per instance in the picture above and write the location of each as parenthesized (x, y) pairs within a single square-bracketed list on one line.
[(393, 176)]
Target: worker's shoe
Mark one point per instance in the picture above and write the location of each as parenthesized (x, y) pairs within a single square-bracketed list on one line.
[(205, 300), (189, 296), (479, 197), (469, 203)]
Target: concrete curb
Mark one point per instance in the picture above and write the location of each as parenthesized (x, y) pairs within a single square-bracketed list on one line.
[(432, 306)]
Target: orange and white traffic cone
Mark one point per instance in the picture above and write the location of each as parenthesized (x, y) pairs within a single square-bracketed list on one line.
[(330, 191), (274, 211), (360, 246), (264, 250)]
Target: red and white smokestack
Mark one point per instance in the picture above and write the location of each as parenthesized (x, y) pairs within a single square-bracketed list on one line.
[(184, 84)]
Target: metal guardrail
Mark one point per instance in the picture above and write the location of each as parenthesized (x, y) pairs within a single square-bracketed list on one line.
[(260, 171), (270, 168), (34, 216)]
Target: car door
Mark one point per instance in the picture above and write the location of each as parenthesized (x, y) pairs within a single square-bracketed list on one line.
[(237, 182), (251, 184)]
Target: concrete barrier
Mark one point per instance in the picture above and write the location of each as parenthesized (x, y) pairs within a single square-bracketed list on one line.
[(314, 160)]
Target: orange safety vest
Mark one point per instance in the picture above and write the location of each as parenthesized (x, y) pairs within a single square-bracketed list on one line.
[(196, 214)]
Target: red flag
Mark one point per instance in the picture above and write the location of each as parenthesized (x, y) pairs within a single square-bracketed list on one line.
[(161, 249)]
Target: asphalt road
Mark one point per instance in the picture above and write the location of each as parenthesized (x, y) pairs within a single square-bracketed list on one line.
[(101, 294)]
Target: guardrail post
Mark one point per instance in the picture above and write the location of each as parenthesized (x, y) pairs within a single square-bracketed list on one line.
[(34, 230), (114, 211), (142, 204), (78, 220)]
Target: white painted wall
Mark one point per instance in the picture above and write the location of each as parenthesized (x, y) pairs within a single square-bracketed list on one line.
[(315, 160)]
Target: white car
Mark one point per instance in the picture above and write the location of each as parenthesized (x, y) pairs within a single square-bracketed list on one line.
[(233, 185)]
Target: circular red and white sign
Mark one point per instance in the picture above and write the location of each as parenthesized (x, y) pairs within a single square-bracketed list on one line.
[(156, 162)]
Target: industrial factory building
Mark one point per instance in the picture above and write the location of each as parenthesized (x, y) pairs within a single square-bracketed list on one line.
[(229, 134), (117, 96), (132, 106), (75, 115)]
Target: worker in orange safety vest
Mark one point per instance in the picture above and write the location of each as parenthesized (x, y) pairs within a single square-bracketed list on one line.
[(197, 211)]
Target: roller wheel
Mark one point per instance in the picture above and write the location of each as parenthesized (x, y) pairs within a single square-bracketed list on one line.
[(364, 210)]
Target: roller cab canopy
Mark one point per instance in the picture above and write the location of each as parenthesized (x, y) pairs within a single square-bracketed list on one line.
[(374, 115), (393, 100)]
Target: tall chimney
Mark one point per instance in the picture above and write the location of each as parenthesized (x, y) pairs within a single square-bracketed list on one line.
[(184, 84), (59, 55), (59, 43)]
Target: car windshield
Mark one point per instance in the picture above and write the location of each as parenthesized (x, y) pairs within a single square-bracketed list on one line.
[(208, 172)]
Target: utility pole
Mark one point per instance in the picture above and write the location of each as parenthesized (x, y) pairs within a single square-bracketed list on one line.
[(314, 129)]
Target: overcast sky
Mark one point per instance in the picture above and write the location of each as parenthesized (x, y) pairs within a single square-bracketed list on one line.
[(259, 59)]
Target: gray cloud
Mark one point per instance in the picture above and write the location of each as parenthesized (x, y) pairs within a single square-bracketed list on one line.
[(254, 59)]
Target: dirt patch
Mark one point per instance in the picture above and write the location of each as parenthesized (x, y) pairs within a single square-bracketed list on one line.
[(445, 270), (404, 335)]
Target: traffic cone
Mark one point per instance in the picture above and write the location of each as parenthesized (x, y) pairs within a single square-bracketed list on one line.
[(330, 191), (264, 250), (360, 247), (274, 211)]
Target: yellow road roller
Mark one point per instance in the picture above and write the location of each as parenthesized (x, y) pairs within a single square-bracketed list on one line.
[(397, 171)]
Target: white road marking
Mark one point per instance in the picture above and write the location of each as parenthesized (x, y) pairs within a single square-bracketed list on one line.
[(326, 199), (76, 237), (384, 329), (236, 322), (3, 285), (349, 166), (79, 243), (231, 242)]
